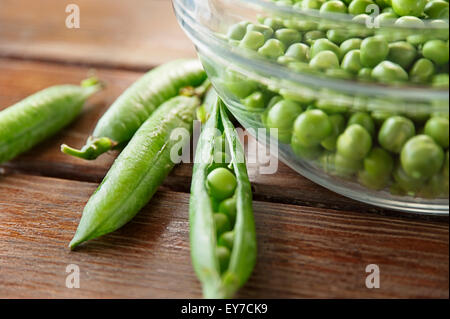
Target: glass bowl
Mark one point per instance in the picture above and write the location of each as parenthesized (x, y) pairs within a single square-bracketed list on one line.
[(335, 128)]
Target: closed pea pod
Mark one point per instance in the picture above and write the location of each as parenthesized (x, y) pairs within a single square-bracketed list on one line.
[(41, 115), (222, 258), (138, 171), (137, 103)]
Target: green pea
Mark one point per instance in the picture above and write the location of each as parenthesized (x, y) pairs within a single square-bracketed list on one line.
[(437, 9), (227, 240), (311, 4), (355, 143), (339, 74), (395, 132), (349, 45), (221, 183), (411, 23), (338, 35), (312, 127), (402, 53), (223, 255), (299, 52), (274, 23), (346, 167), (378, 166), (436, 186), (237, 31), (222, 223), (288, 36), (261, 28), (359, 6), (306, 152), (338, 124), (438, 129), (272, 49), (440, 80), (321, 45), (389, 72), (324, 60), (405, 182), (384, 4), (252, 40), (437, 51), (228, 208), (238, 85), (386, 19), (282, 117), (422, 71), (363, 119), (421, 157), (333, 6), (409, 7), (373, 51), (311, 36), (365, 74), (352, 61)]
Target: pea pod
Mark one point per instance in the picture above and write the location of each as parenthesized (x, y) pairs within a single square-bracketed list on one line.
[(41, 115), (136, 104), (138, 171), (223, 250)]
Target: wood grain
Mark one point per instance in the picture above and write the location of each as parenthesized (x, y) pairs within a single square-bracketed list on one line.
[(304, 252), (135, 34)]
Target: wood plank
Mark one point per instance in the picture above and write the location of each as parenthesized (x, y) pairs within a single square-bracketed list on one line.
[(138, 34), (286, 186), (303, 252)]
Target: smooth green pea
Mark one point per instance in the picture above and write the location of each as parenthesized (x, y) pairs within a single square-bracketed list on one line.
[(338, 124), (252, 40), (228, 207), (359, 6), (338, 35), (384, 4), (373, 51), (352, 61), (438, 129), (339, 74), (333, 6), (365, 74), (221, 183), (261, 28), (406, 182), (436, 186), (298, 51), (395, 132), (311, 4), (409, 7), (363, 119), (223, 255), (238, 85), (286, 60), (377, 168), (321, 45), (436, 51), (222, 223), (311, 36), (306, 152), (227, 240), (282, 117), (421, 157), (386, 19), (440, 80), (324, 60), (346, 167), (389, 72), (437, 9), (312, 127), (272, 49), (274, 23), (355, 143), (402, 53), (288, 36), (349, 45), (237, 31), (422, 71), (255, 101)]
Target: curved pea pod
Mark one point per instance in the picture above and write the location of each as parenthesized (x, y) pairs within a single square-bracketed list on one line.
[(221, 279), (138, 171), (41, 115), (137, 103)]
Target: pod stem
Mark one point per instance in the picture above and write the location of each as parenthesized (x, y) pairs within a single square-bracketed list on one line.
[(93, 148), (198, 91)]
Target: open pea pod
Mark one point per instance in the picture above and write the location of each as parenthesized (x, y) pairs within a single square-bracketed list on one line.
[(222, 229)]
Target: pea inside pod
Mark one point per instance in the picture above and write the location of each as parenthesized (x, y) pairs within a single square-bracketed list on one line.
[(223, 243)]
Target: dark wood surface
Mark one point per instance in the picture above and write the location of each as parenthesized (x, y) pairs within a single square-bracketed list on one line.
[(313, 243)]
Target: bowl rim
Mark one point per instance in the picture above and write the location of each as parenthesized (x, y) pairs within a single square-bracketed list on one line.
[(333, 16), (208, 40)]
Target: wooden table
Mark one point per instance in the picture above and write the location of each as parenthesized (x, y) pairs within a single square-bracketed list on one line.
[(312, 243)]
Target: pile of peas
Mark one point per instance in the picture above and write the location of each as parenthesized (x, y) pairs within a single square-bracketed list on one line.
[(409, 154), (359, 53), (221, 184)]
